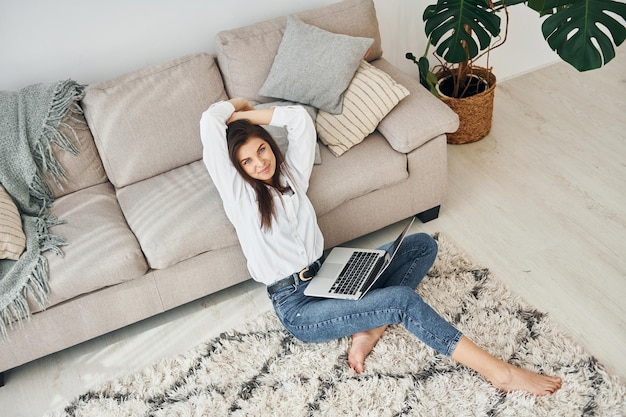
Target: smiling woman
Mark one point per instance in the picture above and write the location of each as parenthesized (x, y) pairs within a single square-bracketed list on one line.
[(264, 210), (255, 155), (257, 159), (250, 147)]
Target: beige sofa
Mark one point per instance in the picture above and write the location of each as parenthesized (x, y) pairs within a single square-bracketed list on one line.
[(145, 225)]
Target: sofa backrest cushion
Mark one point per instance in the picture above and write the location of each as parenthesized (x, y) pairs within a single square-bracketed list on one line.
[(147, 122), (245, 55), (83, 169)]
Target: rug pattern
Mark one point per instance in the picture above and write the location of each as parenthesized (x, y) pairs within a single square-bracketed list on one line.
[(260, 370)]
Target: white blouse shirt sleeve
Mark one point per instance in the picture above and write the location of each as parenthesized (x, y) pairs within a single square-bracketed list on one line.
[(229, 183)]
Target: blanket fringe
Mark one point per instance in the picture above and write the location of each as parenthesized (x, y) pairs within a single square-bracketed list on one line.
[(66, 97), (14, 314), (47, 240)]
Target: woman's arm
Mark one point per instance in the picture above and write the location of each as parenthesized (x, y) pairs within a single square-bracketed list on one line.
[(257, 117), (215, 151), (240, 104)]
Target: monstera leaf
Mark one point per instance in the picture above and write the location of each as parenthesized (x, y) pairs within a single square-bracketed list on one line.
[(455, 26), (583, 32), (574, 25)]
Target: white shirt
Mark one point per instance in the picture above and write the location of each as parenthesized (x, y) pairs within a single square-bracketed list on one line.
[(294, 240)]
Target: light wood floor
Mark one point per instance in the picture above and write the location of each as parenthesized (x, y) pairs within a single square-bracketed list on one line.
[(541, 201)]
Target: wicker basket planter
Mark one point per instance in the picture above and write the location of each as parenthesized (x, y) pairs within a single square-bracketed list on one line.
[(475, 112)]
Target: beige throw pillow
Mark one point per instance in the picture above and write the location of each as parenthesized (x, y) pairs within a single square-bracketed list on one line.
[(371, 95), (12, 239)]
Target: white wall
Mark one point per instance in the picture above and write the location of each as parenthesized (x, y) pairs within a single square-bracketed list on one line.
[(89, 41)]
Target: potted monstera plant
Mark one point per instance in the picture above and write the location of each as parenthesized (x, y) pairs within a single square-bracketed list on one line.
[(582, 32)]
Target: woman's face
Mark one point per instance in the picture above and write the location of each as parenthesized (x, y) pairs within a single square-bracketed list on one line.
[(257, 159)]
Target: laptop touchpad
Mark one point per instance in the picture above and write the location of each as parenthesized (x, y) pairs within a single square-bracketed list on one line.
[(330, 269)]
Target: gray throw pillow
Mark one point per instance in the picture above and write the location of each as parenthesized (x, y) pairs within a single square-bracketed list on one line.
[(314, 66)]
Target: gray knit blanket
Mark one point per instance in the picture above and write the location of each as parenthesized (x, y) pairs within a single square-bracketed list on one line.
[(29, 122)]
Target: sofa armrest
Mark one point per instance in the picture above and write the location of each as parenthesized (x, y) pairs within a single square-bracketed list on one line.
[(418, 118)]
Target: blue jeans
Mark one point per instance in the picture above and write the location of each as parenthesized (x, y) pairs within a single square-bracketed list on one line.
[(394, 300)]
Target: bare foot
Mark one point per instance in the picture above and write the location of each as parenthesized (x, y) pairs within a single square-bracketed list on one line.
[(511, 378), (362, 345), (503, 375)]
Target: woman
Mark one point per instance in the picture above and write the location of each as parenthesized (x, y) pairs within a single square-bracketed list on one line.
[(264, 196)]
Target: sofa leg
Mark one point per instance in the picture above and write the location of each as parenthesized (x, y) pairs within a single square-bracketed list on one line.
[(1, 379), (428, 215)]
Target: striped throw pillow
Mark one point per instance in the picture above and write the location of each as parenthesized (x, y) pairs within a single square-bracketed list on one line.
[(12, 239), (370, 96)]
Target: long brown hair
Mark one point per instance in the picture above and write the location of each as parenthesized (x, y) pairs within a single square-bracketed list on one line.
[(237, 134)]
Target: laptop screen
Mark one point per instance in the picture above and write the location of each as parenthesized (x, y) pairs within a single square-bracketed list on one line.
[(396, 244)]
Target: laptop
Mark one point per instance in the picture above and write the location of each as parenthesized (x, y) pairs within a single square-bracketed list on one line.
[(349, 273)]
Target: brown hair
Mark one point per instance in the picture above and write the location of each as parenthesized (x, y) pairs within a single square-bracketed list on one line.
[(237, 134)]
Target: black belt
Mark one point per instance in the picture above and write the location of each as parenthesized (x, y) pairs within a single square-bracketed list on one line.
[(304, 275)]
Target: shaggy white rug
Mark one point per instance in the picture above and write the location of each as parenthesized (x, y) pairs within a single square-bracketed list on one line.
[(260, 370)]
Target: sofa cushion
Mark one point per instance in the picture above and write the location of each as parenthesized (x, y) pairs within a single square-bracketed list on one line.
[(12, 239), (372, 94), (245, 55), (418, 118), (177, 215), (369, 166), (146, 122), (83, 169), (314, 66), (101, 250)]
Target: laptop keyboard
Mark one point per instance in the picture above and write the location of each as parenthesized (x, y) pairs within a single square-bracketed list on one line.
[(354, 273)]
